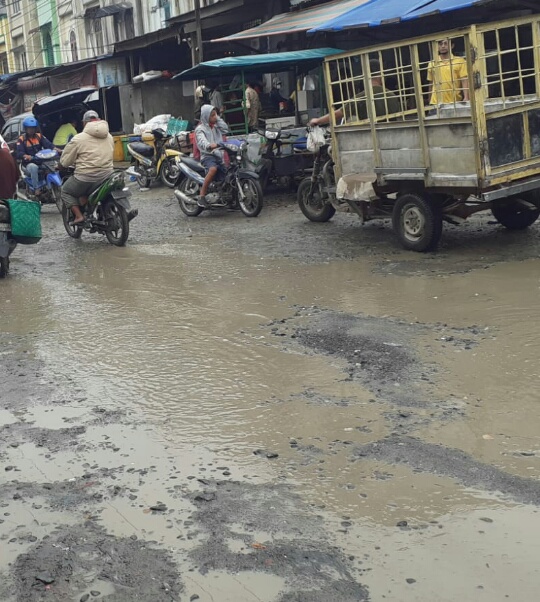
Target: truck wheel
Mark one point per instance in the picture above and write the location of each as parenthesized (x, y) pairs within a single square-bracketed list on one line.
[(312, 205), (417, 221), (514, 215)]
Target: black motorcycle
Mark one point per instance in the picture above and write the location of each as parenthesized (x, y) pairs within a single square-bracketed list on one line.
[(315, 192), (284, 170), (233, 188)]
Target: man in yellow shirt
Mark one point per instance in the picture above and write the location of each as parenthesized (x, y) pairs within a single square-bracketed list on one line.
[(66, 131), (447, 76)]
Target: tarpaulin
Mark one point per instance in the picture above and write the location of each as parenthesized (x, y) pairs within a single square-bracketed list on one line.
[(296, 21), (72, 80), (260, 63), (380, 12)]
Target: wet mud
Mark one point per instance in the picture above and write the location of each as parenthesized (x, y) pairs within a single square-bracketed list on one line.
[(269, 410)]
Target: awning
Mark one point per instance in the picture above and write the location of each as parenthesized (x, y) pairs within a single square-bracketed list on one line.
[(298, 21), (261, 63), (108, 11), (382, 12), (141, 42)]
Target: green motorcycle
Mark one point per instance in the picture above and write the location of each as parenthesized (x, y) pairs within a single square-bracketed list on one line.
[(107, 212)]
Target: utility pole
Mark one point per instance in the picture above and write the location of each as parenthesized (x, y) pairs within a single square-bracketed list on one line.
[(198, 32)]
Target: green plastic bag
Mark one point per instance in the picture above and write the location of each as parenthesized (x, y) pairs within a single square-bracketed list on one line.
[(25, 221), (175, 126)]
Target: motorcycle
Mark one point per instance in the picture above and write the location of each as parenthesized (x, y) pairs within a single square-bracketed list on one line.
[(153, 162), (234, 188), (315, 194), (7, 244), (283, 170), (50, 181), (107, 212)]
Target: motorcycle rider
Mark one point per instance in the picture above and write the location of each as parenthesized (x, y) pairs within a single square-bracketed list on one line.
[(92, 153), (9, 175), (208, 134), (28, 145)]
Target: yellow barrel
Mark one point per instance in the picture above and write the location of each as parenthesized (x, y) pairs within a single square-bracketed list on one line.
[(118, 149)]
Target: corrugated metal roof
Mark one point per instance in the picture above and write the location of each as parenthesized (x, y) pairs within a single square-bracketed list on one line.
[(297, 21), (380, 12)]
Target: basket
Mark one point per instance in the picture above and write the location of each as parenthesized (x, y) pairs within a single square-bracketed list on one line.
[(175, 126), (25, 221)]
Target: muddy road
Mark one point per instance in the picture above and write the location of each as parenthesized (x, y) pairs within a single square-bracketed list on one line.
[(269, 410)]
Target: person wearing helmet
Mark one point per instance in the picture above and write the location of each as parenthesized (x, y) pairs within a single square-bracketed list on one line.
[(28, 145), (91, 152)]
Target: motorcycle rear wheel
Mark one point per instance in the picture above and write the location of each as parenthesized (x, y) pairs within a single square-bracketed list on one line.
[(118, 215), (252, 202), (170, 172), (73, 231), (191, 189)]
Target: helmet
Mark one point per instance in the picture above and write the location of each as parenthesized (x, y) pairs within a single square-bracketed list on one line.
[(89, 116), (30, 122)]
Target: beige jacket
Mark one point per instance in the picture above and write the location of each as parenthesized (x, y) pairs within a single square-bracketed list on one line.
[(91, 152)]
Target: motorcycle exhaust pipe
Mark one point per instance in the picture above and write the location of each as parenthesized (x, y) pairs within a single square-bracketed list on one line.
[(181, 196), (131, 171)]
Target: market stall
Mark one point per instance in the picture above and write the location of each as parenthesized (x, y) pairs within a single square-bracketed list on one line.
[(232, 74)]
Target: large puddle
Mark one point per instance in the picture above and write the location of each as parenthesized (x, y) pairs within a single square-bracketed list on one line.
[(181, 335)]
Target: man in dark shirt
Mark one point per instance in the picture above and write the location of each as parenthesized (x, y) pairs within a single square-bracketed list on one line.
[(9, 175)]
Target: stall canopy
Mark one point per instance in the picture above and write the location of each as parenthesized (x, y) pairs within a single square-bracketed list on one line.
[(263, 63), (296, 21), (381, 12)]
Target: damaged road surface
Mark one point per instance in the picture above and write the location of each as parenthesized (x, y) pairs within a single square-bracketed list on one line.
[(269, 410)]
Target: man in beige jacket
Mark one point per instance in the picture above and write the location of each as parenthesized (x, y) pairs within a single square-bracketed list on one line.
[(91, 152)]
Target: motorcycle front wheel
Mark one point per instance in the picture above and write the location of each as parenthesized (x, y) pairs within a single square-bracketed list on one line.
[(251, 203), (312, 204), (117, 228), (57, 196), (67, 217), (190, 189), (4, 266), (170, 172)]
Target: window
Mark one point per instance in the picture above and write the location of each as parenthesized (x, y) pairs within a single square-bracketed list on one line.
[(20, 61), (15, 7), (124, 28), (98, 37), (4, 65), (48, 48), (73, 46)]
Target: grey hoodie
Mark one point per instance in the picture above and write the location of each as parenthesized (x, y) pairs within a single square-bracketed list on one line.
[(207, 135), (91, 151)]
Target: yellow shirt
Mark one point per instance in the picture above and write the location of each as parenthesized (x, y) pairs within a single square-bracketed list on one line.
[(446, 76), (64, 134)]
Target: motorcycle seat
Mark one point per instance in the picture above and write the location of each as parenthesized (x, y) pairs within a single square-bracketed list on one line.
[(143, 149), (193, 164)]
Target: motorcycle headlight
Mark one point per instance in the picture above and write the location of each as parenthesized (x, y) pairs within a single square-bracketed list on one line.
[(271, 134)]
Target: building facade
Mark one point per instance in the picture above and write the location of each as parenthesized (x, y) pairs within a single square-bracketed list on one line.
[(6, 56)]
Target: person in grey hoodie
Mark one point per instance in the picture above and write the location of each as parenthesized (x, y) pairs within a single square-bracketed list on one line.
[(91, 152), (208, 134)]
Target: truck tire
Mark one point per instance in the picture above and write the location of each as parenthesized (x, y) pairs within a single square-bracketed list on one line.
[(515, 216), (417, 221)]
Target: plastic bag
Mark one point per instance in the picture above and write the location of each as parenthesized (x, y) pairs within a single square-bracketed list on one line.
[(156, 123), (315, 139)]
